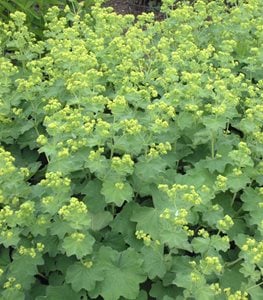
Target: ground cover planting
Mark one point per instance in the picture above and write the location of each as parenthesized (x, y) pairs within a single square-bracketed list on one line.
[(131, 154)]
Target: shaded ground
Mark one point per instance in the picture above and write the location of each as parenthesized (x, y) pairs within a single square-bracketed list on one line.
[(120, 6), (132, 6)]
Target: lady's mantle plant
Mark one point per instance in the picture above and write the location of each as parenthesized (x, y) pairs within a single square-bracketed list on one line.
[(131, 155)]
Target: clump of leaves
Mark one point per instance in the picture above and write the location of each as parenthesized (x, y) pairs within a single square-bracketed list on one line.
[(36, 9), (131, 154)]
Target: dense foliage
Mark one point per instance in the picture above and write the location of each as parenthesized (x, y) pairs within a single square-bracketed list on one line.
[(36, 9), (131, 155)]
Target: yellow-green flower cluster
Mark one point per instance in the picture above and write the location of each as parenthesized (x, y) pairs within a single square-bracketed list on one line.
[(55, 180), (118, 105), (131, 126), (221, 183), (74, 145), (6, 162), (192, 196), (11, 284), (48, 200), (177, 217), (196, 277), (225, 224), (190, 232), (159, 125), (219, 109), (185, 194), (6, 212), (237, 171), (122, 165), (258, 135), (242, 156), (88, 124), (75, 207), (88, 264), (78, 237), (254, 250), (28, 84), (42, 220), (42, 140), (67, 120), (64, 152), (215, 287), (159, 149), (191, 107), (8, 69), (242, 146), (95, 155), (237, 295), (211, 264), (103, 128), (119, 185), (162, 108), (26, 210), (7, 234), (202, 232), (25, 172), (85, 80), (141, 235), (255, 113), (40, 247), (32, 252), (166, 214), (52, 106), (180, 218)]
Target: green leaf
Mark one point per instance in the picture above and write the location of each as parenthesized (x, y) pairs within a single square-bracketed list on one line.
[(13, 240), (114, 194), (173, 236), (82, 277), (129, 144), (122, 224), (69, 164), (9, 294), (153, 262), (159, 291), (94, 200), (232, 278), (148, 220), (203, 293), (237, 183), (185, 120), (79, 247), (216, 164), (150, 171), (122, 274), (218, 244), (256, 293), (213, 124), (100, 220), (24, 267), (200, 244), (61, 292), (60, 228)]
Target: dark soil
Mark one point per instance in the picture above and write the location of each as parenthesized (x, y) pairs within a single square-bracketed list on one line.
[(134, 7)]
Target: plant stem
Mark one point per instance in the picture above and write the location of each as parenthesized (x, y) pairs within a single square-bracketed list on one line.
[(233, 199), (212, 146), (113, 209), (253, 286), (233, 262)]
